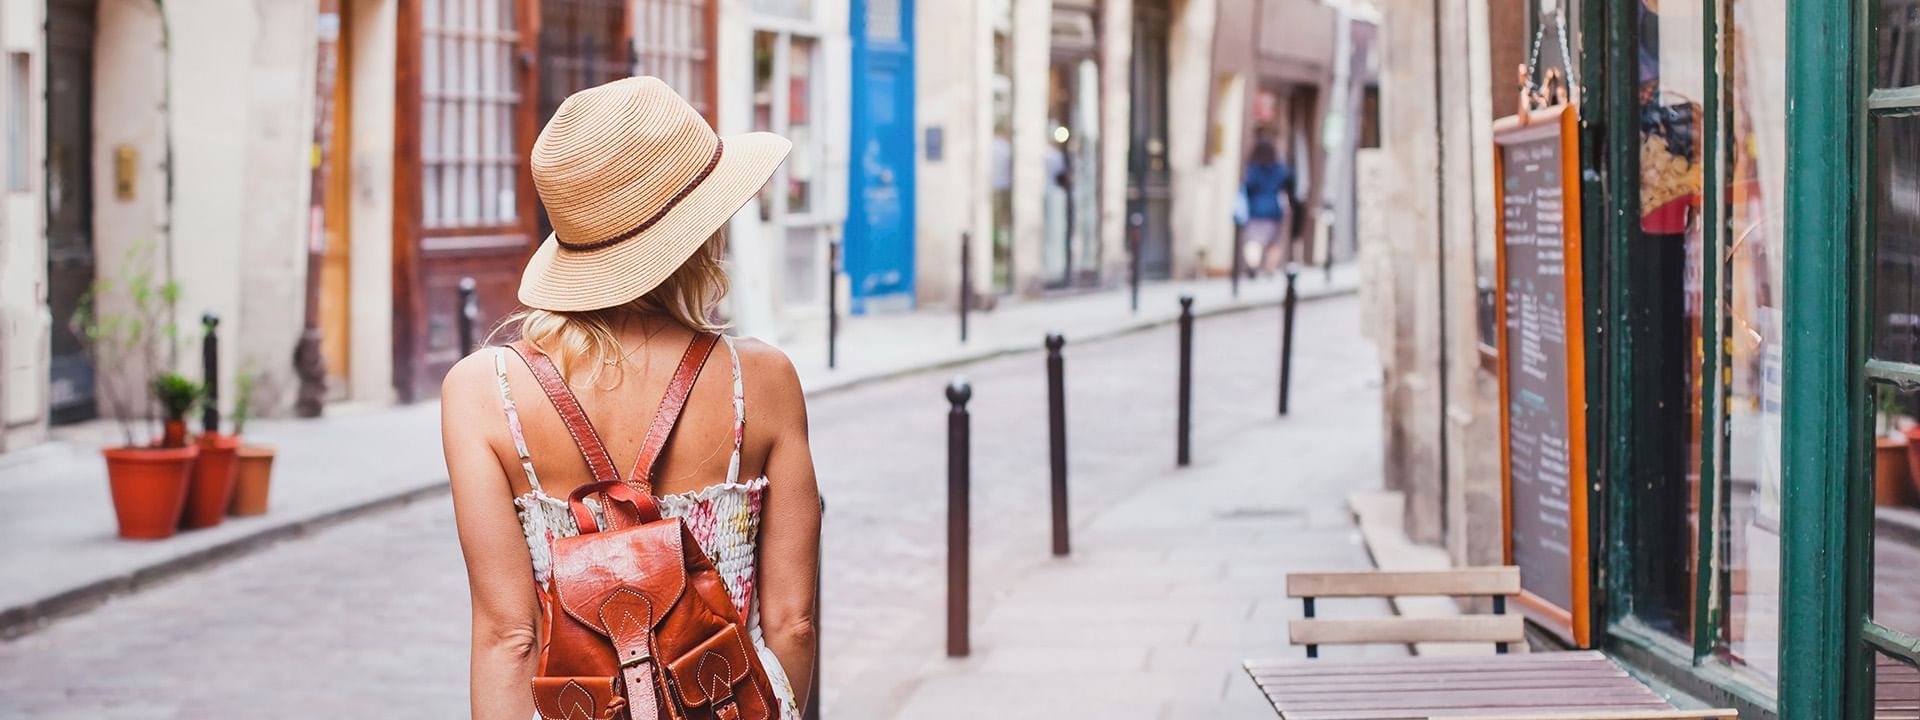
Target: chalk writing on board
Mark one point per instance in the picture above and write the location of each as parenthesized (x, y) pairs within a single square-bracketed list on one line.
[(1538, 424)]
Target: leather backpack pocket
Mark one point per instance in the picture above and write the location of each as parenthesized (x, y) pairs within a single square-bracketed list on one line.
[(716, 679), (578, 698)]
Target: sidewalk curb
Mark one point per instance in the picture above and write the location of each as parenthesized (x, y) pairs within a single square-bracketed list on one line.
[(992, 353), (22, 620)]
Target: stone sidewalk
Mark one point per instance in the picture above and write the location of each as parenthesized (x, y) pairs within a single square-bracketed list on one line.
[(1167, 591), (63, 557)]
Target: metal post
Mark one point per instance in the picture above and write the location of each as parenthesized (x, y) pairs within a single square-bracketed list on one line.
[(958, 497), (833, 301), (1313, 650), (1134, 221), (469, 314), (1239, 257), (1057, 438), (1185, 428), (966, 282), (1286, 337), (210, 373)]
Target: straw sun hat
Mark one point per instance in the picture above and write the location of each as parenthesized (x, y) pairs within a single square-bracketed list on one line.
[(634, 182)]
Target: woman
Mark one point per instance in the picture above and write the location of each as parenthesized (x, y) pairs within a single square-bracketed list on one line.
[(1267, 181), (638, 188)]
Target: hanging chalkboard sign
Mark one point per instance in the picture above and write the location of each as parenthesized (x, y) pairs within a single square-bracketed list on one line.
[(1542, 364)]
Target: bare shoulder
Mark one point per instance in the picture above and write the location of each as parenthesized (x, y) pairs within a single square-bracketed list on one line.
[(772, 383), (469, 390), (468, 377)]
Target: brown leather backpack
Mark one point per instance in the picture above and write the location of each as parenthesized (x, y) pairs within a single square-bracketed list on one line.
[(637, 625)]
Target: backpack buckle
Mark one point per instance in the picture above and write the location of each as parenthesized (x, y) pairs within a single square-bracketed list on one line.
[(638, 658)]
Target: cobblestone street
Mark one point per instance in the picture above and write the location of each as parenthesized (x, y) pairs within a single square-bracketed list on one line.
[(368, 618)]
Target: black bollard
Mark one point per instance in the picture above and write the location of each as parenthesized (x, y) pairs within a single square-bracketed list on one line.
[(966, 283), (1286, 337), (210, 373), (1185, 421), (1239, 264), (958, 497), (469, 314), (1134, 222), (833, 300), (1057, 438)]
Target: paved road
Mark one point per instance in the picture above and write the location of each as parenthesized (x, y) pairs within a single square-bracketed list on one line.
[(368, 619)]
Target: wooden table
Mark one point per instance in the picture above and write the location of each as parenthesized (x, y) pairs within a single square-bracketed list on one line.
[(1434, 686)]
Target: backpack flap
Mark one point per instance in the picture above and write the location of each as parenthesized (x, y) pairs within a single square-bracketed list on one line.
[(587, 569), (716, 676), (577, 698)]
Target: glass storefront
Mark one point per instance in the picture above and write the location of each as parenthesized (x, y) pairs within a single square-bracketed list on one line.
[(1665, 257), (1071, 205)]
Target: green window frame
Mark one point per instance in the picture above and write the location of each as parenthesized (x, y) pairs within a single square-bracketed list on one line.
[(1608, 53), (1827, 559)]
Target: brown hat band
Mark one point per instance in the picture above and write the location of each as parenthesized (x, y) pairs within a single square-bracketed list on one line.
[(712, 162)]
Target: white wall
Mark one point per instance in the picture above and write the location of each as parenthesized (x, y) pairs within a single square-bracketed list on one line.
[(950, 194), (370, 209), (220, 95), (24, 319)]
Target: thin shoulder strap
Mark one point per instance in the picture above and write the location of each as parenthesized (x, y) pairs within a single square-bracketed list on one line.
[(739, 413), (544, 371), (513, 420), (665, 418)]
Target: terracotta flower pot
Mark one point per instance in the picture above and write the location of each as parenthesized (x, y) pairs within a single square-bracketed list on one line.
[(173, 434), (1892, 474), (149, 488), (1913, 478), (250, 488), (212, 485)]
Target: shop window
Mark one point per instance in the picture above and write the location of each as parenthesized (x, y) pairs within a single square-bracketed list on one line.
[(672, 40), (1896, 306), (1664, 263), (1747, 524), (1893, 220), (801, 166), (469, 93)]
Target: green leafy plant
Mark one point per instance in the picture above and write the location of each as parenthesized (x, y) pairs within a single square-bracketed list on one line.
[(1887, 410), (127, 320), (177, 394), (243, 388)]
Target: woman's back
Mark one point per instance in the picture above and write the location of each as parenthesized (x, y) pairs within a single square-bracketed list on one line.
[(620, 403), (630, 278)]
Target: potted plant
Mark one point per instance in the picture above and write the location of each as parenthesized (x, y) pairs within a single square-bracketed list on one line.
[(255, 461), (1892, 466), (147, 477)]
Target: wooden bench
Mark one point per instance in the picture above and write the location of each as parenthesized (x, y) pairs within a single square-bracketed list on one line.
[(1498, 628), (1715, 714)]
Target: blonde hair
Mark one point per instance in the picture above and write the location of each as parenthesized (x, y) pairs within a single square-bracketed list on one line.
[(690, 296)]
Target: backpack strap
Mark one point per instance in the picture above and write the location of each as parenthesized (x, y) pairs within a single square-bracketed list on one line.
[(564, 401), (668, 415)]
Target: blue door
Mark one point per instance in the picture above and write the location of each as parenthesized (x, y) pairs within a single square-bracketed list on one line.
[(879, 233)]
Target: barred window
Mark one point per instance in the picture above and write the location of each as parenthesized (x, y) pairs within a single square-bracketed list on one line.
[(469, 95), (673, 40)]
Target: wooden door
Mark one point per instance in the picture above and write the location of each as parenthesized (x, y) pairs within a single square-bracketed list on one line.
[(70, 259), (336, 285), (464, 203)]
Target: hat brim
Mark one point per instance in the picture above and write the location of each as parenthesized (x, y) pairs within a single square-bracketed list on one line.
[(562, 280)]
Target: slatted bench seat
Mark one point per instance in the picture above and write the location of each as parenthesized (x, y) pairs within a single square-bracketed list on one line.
[(1575, 685)]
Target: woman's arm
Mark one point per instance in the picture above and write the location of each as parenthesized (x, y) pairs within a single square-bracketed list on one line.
[(790, 524), (499, 571)]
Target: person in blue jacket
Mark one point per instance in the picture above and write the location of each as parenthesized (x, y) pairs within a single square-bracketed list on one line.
[(1268, 187)]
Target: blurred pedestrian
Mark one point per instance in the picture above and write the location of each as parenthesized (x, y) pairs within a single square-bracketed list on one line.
[(1268, 188), (620, 302)]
